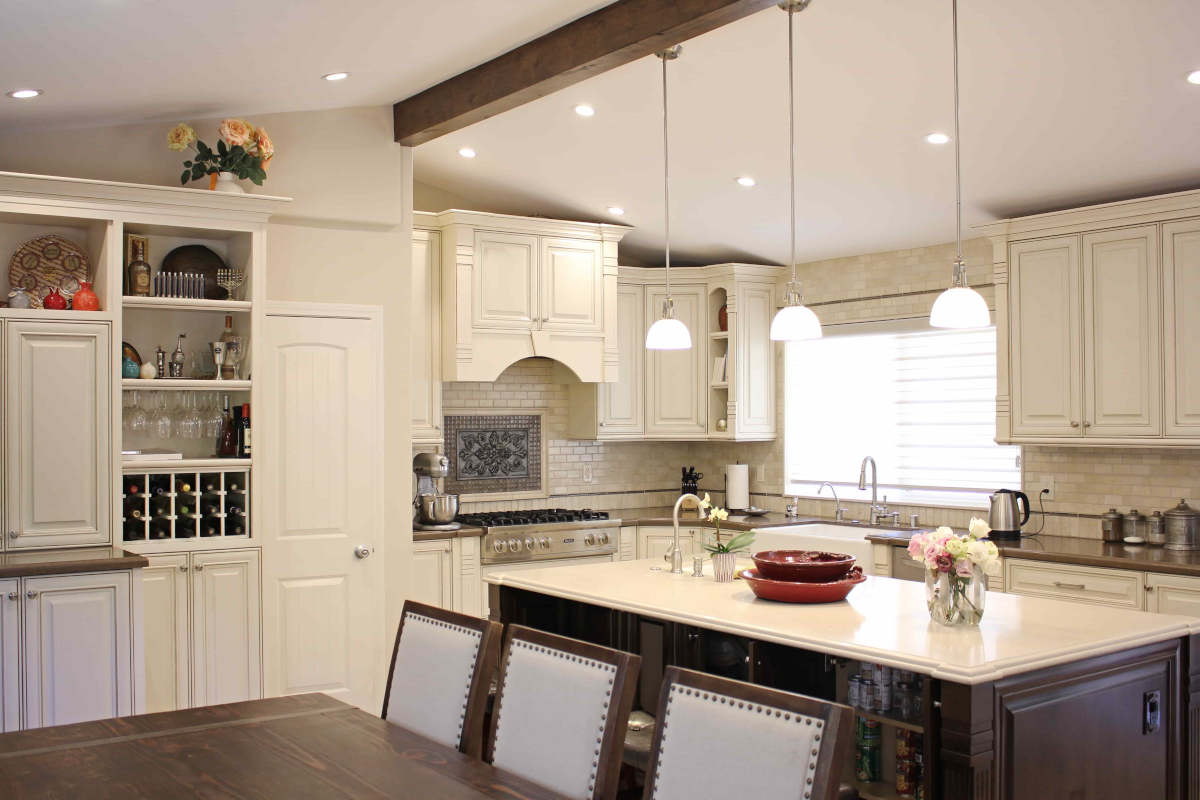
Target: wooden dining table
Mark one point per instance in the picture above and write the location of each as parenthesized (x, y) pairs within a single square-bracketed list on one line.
[(300, 746)]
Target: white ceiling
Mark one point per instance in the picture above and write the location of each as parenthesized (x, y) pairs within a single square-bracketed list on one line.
[(1064, 103)]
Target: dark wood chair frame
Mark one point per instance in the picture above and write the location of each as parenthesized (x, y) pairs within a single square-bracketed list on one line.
[(486, 662), (608, 770), (838, 720)]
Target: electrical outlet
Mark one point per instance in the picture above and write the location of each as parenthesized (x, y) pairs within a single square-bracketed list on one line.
[(760, 473), (587, 473), (1046, 484)]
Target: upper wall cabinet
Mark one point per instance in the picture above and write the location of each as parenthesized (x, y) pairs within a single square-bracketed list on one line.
[(1097, 339), (425, 337), (513, 288)]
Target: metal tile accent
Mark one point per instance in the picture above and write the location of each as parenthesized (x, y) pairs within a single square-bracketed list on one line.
[(492, 453)]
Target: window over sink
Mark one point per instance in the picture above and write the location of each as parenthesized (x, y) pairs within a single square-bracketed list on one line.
[(920, 401)]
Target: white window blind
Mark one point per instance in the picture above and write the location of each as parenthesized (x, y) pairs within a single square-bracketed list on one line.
[(922, 403)]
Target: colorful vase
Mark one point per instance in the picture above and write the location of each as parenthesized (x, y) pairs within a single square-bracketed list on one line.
[(723, 318), (54, 301), (85, 299)]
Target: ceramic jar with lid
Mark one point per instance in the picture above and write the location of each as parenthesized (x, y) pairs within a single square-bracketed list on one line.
[(1183, 527)]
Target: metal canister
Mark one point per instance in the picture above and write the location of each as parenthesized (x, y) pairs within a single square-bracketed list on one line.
[(854, 691), (1156, 529), (1110, 526), (904, 700), (1134, 525), (883, 696), (1183, 527), (866, 695)]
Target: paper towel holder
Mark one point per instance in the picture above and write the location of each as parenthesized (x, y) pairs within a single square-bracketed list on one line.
[(745, 498)]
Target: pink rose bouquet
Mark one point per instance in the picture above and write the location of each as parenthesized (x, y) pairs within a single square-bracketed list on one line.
[(953, 567), (241, 149)]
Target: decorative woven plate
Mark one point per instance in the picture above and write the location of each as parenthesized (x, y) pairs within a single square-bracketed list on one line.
[(47, 262)]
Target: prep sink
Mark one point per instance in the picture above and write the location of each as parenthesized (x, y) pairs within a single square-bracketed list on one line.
[(849, 539)]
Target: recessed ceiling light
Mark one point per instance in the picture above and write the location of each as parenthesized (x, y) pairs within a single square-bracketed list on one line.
[(466, 152), (937, 137), (1194, 77), (616, 211), (745, 180), (24, 94), (584, 110), (335, 76)]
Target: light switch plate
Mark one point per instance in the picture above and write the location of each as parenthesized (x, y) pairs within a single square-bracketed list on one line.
[(760, 473), (587, 473), (1046, 484)]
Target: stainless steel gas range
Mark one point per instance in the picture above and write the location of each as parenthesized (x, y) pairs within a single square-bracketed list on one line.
[(544, 534)]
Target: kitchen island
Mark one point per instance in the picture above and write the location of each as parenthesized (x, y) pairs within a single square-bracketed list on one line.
[(1045, 699)]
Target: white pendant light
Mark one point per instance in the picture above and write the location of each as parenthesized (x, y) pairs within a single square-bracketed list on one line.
[(795, 321), (667, 333), (960, 306)]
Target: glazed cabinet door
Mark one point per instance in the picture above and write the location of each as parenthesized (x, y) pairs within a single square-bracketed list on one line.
[(753, 366), (165, 594), (433, 573), (622, 404), (226, 627), (571, 283), (1122, 364), (57, 431), (1044, 314), (1181, 327), (425, 337), (78, 648), (504, 280), (677, 380), (10, 655), (1173, 594)]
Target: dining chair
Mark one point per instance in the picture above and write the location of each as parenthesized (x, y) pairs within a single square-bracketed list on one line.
[(442, 666), (560, 712), (718, 737)]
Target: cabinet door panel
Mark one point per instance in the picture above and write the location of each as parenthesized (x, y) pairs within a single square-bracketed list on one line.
[(622, 404), (1181, 305), (226, 627), (1044, 308), (10, 654), (167, 640), (425, 339), (504, 280), (677, 380), (433, 573), (78, 654), (1173, 594), (754, 361), (1121, 333), (58, 464), (571, 280)]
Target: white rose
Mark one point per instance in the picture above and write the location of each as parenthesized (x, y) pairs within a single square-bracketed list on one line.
[(978, 528)]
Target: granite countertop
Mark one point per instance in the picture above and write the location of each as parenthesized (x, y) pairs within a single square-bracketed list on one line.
[(62, 562), (433, 536), (883, 620)]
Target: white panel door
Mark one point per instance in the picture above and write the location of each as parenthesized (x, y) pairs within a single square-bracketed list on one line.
[(10, 655), (226, 627), (433, 573), (1181, 307), (1122, 342), (571, 280), (425, 337), (504, 290), (322, 514), (677, 380), (57, 430), (1173, 594), (1046, 356), (622, 404), (165, 593), (754, 360), (78, 649)]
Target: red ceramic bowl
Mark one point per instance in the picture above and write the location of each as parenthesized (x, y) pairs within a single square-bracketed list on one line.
[(802, 565), (799, 592)]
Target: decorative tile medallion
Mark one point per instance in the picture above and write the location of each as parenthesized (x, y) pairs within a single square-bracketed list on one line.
[(493, 453)]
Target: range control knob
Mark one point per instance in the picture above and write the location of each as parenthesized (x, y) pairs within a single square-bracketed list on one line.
[(545, 542), (498, 545), (530, 543), (514, 545), (589, 540), (604, 538)]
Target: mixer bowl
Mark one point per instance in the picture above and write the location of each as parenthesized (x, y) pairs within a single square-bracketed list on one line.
[(439, 509)]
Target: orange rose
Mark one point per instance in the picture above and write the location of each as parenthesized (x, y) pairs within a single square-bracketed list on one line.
[(264, 145), (235, 132)]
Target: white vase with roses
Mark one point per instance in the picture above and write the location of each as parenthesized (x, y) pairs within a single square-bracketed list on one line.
[(955, 586), (243, 152)]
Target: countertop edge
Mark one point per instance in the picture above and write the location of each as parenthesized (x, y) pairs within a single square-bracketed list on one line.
[(125, 560)]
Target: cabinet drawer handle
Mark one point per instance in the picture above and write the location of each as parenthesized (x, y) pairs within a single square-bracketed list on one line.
[(32, 593), (1077, 586)]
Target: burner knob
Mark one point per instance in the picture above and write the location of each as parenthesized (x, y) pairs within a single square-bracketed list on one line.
[(530, 543), (589, 540), (545, 542), (604, 538), (514, 545), (498, 545)]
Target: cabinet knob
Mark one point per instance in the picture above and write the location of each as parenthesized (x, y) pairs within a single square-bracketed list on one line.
[(31, 593), (183, 567), (198, 567), (1074, 424), (12, 595), (12, 534), (1149, 588), (362, 551), (1087, 424)]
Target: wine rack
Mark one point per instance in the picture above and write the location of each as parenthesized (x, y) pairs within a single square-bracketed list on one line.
[(170, 505)]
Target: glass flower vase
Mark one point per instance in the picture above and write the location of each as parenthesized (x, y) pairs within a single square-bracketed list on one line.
[(955, 599)]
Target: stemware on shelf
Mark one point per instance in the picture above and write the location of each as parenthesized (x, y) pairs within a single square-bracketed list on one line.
[(134, 416), (214, 420), (161, 422)]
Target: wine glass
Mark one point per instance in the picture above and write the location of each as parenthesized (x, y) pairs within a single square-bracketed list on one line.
[(161, 422), (191, 425), (135, 418), (233, 355), (214, 420)]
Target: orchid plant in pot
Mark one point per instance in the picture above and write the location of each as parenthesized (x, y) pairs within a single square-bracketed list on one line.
[(955, 586), (724, 554)]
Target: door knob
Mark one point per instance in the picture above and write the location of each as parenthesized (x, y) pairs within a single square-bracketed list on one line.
[(362, 551)]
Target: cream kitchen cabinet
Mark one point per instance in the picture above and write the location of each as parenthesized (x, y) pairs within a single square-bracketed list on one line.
[(1095, 309), (677, 380), (57, 429), (166, 593), (616, 410), (433, 573), (10, 654), (226, 626), (1173, 594), (425, 337), (654, 541), (1120, 588), (514, 288), (627, 543)]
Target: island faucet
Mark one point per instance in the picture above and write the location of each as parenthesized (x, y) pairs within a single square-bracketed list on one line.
[(676, 553), (839, 513)]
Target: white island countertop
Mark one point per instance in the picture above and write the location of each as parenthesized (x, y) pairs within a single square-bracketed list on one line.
[(884, 620)]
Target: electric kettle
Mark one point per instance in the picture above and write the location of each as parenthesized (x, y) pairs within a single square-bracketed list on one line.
[(1004, 512)]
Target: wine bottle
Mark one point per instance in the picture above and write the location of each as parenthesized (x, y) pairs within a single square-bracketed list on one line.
[(160, 484), (177, 358), (227, 335), (185, 529), (160, 529), (210, 527), (245, 450), (135, 531), (135, 513), (227, 443), (133, 488), (210, 483), (211, 508), (182, 510), (237, 431), (232, 482), (234, 511), (160, 507), (183, 486), (138, 270), (233, 527)]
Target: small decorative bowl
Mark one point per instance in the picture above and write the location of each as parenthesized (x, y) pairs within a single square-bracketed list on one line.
[(804, 566)]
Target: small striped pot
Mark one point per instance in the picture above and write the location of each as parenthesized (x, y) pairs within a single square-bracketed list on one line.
[(724, 565)]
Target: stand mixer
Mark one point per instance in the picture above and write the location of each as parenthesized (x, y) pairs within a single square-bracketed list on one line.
[(434, 511)]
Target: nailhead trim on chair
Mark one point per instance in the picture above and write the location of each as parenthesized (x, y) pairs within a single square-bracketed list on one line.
[(754, 707), (474, 634), (600, 665)]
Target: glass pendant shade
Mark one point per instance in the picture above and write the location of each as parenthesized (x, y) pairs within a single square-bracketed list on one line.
[(960, 307), (668, 334), (793, 323)]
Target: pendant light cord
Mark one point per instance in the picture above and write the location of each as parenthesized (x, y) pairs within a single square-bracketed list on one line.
[(957, 146), (666, 180), (791, 145)]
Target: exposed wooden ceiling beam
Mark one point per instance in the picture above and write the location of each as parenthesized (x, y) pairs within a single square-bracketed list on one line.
[(607, 38)]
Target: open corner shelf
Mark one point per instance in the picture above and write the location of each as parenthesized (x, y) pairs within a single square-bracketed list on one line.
[(719, 335), (184, 304), (184, 384)]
